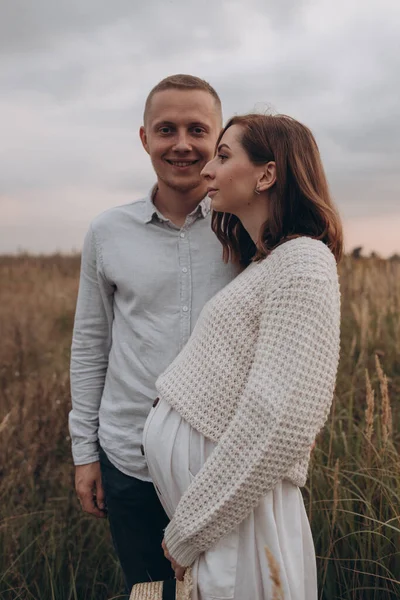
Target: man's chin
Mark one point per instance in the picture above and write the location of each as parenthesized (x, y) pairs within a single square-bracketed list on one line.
[(183, 187)]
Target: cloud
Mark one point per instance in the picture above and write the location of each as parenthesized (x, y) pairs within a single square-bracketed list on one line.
[(74, 77), (28, 26)]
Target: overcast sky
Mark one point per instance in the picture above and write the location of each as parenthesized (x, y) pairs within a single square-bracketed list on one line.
[(74, 75)]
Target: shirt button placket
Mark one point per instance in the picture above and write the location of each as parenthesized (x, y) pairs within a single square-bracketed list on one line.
[(185, 286)]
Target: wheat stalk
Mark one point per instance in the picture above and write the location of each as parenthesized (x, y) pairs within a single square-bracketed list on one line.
[(335, 492), (277, 590), (4, 422), (387, 423), (369, 411)]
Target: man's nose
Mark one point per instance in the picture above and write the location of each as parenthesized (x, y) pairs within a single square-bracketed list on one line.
[(182, 143)]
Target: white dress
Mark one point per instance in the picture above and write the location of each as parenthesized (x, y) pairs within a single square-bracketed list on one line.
[(236, 568)]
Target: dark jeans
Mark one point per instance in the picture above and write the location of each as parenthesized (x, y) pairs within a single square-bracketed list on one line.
[(137, 522)]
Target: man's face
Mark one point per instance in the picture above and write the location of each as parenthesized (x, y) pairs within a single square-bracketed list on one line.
[(179, 134)]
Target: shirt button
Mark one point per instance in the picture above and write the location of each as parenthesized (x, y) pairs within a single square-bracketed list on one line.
[(142, 449), (184, 270), (182, 235), (156, 401), (185, 308)]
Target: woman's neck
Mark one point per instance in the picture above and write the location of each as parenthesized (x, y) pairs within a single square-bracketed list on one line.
[(253, 220)]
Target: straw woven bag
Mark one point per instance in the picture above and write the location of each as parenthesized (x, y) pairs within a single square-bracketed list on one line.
[(164, 590)]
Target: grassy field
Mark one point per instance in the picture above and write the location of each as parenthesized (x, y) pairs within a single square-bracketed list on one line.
[(50, 550)]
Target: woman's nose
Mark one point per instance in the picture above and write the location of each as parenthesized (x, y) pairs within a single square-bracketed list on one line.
[(207, 172)]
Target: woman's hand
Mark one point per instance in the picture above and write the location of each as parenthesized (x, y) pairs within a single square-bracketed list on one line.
[(179, 571)]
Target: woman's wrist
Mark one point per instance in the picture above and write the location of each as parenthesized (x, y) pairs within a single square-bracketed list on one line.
[(183, 552)]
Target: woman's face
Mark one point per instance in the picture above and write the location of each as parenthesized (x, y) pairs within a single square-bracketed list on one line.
[(231, 176)]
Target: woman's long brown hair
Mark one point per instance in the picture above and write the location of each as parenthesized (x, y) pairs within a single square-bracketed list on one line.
[(300, 202)]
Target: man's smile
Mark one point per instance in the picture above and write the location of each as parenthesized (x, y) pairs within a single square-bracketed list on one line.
[(182, 164)]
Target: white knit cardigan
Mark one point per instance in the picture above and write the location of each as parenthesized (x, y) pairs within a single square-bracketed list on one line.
[(257, 377)]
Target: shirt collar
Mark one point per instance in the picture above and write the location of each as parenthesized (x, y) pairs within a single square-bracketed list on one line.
[(151, 211)]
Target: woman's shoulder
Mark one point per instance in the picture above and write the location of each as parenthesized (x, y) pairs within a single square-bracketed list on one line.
[(302, 256)]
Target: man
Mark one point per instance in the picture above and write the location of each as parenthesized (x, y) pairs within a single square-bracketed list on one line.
[(147, 270)]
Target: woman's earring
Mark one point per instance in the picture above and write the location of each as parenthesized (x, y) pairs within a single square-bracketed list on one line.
[(257, 191)]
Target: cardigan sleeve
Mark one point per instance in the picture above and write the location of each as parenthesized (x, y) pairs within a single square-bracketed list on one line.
[(284, 404)]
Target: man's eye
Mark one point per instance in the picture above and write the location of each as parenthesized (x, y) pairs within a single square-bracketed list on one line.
[(165, 130), (198, 130)]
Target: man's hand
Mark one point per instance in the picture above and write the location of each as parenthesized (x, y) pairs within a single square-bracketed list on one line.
[(179, 571), (89, 489)]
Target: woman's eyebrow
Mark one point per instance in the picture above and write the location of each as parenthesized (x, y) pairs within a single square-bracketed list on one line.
[(222, 146)]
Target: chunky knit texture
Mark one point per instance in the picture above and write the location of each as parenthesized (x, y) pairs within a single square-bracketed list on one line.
[(257, 377)]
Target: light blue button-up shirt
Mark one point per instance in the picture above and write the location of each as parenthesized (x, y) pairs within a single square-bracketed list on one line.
[(143, 284)]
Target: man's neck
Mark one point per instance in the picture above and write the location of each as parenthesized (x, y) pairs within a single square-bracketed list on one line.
[(175, 205)]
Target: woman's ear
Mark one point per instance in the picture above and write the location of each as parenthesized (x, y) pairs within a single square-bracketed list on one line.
[(267, 177)]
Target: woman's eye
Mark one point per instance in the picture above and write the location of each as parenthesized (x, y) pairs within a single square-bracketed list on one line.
[(222, 157)]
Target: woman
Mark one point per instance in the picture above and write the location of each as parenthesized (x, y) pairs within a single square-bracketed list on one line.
[(228, 442)]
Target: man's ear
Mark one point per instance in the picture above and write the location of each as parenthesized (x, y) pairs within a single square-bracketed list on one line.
[(267, 178), (143, 138)]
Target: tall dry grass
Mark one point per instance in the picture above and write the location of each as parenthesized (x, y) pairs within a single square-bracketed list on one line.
[(50, 550)]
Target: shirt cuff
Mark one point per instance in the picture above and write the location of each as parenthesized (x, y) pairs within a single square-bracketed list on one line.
[(182, 551), (85, 454)]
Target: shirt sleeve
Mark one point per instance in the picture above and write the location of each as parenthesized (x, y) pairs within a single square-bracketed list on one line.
[(284, 404), (91, 343)]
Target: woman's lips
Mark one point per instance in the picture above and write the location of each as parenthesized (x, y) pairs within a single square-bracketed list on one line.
[(211, 192)]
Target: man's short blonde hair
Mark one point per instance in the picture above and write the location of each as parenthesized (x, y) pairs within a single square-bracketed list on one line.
[(182, 82)]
